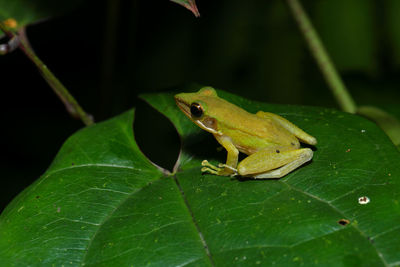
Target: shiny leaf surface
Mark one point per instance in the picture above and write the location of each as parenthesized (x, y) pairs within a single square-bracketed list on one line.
[(102, 203), (311, 216)]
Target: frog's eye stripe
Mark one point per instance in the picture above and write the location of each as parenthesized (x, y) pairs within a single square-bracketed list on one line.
[(196, 110)]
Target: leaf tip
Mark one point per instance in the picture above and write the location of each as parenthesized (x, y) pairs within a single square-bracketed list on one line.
[(190, 5)]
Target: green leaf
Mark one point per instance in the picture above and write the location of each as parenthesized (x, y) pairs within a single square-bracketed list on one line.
[(102, 203), (297, 219), (19, 13)]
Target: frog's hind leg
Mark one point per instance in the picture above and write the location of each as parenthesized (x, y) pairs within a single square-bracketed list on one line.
[(305, 156), (266, 164)]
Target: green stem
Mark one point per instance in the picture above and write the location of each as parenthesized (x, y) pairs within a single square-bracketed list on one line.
[(317, 49), (69, 101)]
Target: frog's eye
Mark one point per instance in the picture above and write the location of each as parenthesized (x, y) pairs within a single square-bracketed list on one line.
[(196, 110)]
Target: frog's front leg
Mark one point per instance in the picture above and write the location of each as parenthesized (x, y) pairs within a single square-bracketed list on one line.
[(273, 163), (229, 168)]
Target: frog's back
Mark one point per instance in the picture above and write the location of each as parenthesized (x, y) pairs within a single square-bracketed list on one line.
[(251, 133)]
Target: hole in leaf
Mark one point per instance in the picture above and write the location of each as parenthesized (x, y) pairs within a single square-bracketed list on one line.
[(156, 136), (343, 222)]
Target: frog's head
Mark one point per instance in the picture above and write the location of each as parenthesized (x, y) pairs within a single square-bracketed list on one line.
[(196, 107)]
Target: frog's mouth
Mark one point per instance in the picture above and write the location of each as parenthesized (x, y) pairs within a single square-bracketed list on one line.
[(183, 106)]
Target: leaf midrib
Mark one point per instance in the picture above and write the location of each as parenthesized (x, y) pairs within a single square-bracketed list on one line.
[(187, 205)]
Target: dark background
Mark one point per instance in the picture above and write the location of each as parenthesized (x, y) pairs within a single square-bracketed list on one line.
[(107, 53)]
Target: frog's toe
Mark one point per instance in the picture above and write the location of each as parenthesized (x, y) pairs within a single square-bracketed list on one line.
[(221, 170), (207, 164), (209, 170)]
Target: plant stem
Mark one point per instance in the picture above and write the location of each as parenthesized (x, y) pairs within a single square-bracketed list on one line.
[(69, 101), (317, 49)]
